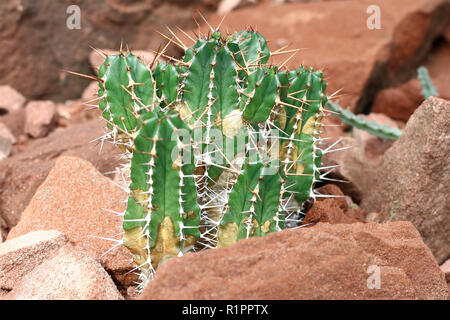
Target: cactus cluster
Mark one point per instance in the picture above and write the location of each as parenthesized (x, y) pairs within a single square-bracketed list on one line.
[(220, 145), (428, 89)]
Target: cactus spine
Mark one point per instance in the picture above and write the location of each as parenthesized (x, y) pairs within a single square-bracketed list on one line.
[(220, 145)]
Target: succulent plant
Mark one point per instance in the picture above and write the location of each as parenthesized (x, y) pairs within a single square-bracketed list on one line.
[(428, 89), (377, 129), (220, 146)]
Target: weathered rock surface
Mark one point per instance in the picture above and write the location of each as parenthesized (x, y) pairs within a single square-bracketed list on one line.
[(332, 210), (322, 262), (40, 117), (21, 174), (6, 133), (20, 255), (446, 269), (358, 60), (70, 275), (5, 147), (10, 99), (73, 199), (412, 181), (37, 42)]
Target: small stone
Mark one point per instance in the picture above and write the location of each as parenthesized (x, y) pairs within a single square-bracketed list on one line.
[(39, 118), (6, 133), (10, 99)]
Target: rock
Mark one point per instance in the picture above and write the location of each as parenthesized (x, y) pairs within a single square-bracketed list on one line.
[(332, 210), (400, 102), (15, 121), (362, 60), (412, 180), (355, 169), (21, 174), (90, 93), (3, 229), (5, 147), (446, 269), (10, 100), (6, 133), (40, 117), (70, 275), (323, 262), (20, 255), (74, 199)]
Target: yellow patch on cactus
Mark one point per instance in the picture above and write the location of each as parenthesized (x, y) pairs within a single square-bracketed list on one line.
[(135, 240), (265, 227), (232, 124), (227, 234), (167, 243)]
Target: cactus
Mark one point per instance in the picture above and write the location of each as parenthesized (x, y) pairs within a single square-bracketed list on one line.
[(428, 89), (202, 137), (376, 129)]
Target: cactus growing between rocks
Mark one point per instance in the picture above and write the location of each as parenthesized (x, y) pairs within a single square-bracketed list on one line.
[(220, 145), (428, 89), (380, 130)]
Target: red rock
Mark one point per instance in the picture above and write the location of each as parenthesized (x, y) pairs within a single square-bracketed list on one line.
[(332, 210), (90, 93), (10, 99), (15, 121), (412, 181), (40, 117), (71, 275), (357, 59), (322, 262), (73, 199), (355, 168), (5, 147), (6, 133), (21, 174), (20, 255), (446, 269)]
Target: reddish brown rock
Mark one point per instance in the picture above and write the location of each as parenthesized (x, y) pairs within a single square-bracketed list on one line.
[(10, 99), (354, 167), (40, 117), (5, 147), (412, 180), (361, 61), (6, 133), (73, 199), (71, 275), (322, 262), (332, 210), (400, 102), (90, 93), (446, 269), (21, 174), (20, 255)]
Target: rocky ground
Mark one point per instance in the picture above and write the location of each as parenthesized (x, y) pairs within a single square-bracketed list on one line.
[(393, 212)]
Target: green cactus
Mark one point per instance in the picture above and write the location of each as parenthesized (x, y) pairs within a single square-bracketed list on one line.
[(380, 130), (203, 136), (428, 90)]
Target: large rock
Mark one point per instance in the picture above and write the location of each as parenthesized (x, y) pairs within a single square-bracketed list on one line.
[(412, 181), (70, 275), (20, 255), (37, 44), (326, 261), (358, 60), (74, 199), (21, 174)]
